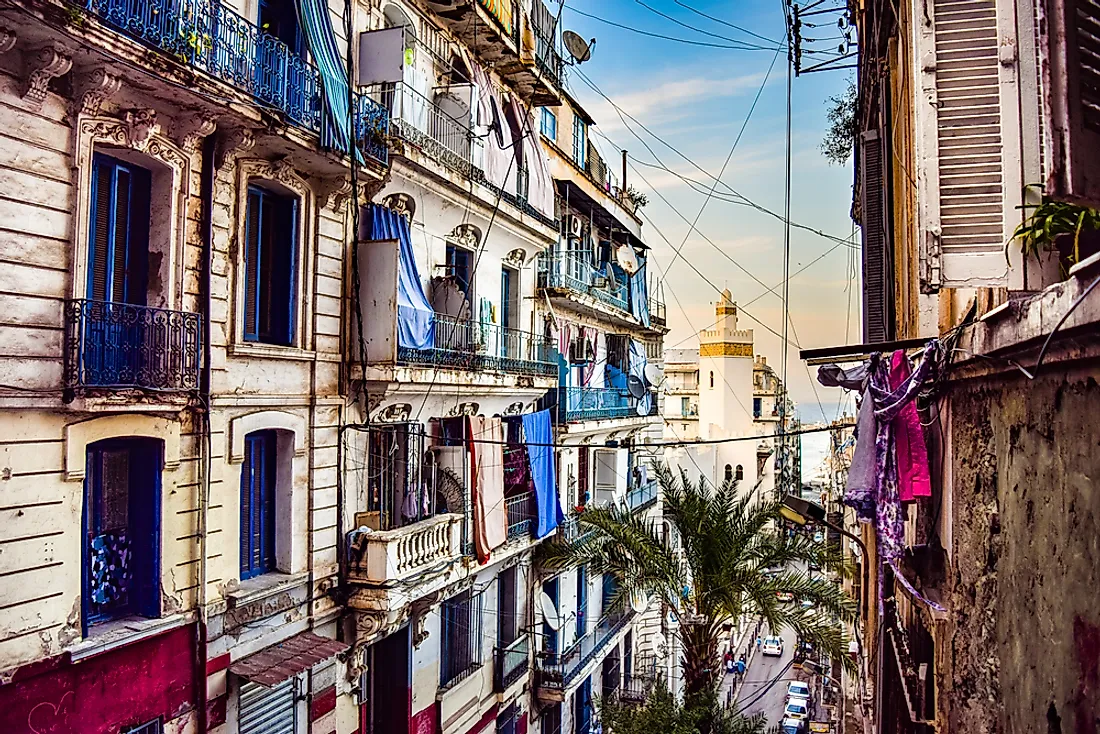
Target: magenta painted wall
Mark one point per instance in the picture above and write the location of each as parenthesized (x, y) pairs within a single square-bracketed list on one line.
[(103, 694)]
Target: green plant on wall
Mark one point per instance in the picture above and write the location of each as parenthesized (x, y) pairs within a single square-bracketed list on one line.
[(1051, 220)]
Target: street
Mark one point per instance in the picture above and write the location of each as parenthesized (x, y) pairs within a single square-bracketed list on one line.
[(762, 691)]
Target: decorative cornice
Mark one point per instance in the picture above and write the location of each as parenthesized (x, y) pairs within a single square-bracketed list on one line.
[(401, 203), (119, 133), (7, 39), (191, 132), (92, 90), (235, 142), (516, 257), (726, 349), (140, 125), (333, 193), (50, 62)]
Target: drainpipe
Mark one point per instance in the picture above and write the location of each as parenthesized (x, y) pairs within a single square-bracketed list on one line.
[(206, 226)]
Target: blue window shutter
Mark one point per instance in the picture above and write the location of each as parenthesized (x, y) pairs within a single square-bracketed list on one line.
[(582, 600), (291, 233), (271, 256), (257, 538), (252, 256), (118, 238)]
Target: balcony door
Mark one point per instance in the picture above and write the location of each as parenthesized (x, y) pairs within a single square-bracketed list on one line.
[(280, 50), (118, 273), (387, 686), (509, 314)]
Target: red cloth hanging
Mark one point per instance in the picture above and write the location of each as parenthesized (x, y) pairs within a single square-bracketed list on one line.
[(912, 453)]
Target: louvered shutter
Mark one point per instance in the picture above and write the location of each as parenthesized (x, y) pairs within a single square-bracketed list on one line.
[(101, 255), (121, 235), (252, 265), (1074, 84), (968, 147), (878, 290), (266, 710)]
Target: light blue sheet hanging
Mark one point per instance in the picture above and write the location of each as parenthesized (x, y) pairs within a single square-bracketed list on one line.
[(638, 362), (536, 431), (639, 296), (415, 316), (336, 122)]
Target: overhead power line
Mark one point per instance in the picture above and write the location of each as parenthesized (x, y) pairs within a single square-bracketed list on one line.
[(739, 46), (775, 44), (725, 23)]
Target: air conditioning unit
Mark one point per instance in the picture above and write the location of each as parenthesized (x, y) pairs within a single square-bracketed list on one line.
[(576, 227)]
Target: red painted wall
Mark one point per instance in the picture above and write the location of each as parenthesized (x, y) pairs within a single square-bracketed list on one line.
[(103, 694)]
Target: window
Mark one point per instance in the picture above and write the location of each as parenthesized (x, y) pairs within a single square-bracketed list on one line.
[(548, 124), (582, 708), (549, 634), (508, 721), (149, 727), (118, 254), (550, 720), (740, 473), (461, 654), (582, 476), (729, 473), (459, 266), (712, 380), (263, 710), (757, 407), (258, 504), (582, 602), (506, 607), (609, 591), (580, 142), (685, 407), (270, 258), (122, 529)]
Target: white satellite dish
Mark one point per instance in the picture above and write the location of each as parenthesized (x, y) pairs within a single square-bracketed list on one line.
[(627, 259), (654, 375), (549, 611), (578, 48), (639, 602)]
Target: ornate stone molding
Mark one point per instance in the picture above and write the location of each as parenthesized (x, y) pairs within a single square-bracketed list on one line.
[(236, 142), (92, 90), (140, 125), (137, 137), (516, 257), (279, 170), (401, 203), (191, 132), (7, 39), (49, 62), (333, 193), (467, 235)]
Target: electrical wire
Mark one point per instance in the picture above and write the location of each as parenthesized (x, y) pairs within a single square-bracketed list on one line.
[(1066, 315), (698, 30), (725, 23), (738, 46)]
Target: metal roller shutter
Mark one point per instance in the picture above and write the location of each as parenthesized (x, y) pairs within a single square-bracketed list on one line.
[(266, 710)]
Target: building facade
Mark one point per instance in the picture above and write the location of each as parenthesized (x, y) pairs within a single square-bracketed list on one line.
[(976, 119)]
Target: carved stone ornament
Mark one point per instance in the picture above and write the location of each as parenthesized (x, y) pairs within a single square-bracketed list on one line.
[(47, 63), (466, 235), (7, 39), (396, 413), (118, 133), (401, 203), (333, 193), (418, 615), (92, 90), (515, 408), (369, 623), (235, 142), (192, 131), (140, 125), (464, 409), (516, 257)]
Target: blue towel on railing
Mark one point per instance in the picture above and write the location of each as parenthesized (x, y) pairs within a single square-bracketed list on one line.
[(536, 431)]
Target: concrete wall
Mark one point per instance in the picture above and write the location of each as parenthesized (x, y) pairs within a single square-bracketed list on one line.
[(1025, 648)]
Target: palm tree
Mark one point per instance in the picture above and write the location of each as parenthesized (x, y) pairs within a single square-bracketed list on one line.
[(729, 547)]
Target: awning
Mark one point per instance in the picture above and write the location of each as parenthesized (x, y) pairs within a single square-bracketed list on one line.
[(283, 661)]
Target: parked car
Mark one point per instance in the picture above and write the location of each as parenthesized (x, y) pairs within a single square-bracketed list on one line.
[(797, 689), (784, 596), (792, 726), (773, 646), (798, 708)]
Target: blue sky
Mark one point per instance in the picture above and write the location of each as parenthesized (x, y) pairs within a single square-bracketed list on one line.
[(697, 99)]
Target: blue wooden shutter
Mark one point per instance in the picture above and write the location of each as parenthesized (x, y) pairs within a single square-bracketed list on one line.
[(252, 256), (582, 600), (118, 232), (257, 540)]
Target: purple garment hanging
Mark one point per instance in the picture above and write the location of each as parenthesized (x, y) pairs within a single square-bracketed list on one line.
[(912, 453)]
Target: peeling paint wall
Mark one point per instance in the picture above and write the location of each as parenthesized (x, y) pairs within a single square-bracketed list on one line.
[(1025, 558)]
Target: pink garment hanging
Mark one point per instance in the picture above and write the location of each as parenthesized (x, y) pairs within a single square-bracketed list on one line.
[(912, 453), (591, 334), (564, 337), (487, 484)]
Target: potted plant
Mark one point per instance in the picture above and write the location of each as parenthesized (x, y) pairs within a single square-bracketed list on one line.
[(1067, 231)]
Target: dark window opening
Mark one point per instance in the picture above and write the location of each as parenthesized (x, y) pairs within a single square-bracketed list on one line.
[(459, 263), (270, 260), (118, 257), (461, 633), (507, 613), (258, 504)]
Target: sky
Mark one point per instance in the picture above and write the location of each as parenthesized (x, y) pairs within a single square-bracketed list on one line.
[(697, 98)]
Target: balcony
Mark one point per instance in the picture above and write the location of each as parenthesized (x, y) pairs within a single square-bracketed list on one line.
[(642, 496), (512, 663), (477, 346), (211, 37), (572, 273), (577, 404), (559, 670), (420, 122), (391, 556), (119, 345), (521, 514)]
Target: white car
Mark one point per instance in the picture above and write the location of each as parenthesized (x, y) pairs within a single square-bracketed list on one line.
[(797, 689), (772, 646), (797, 708)]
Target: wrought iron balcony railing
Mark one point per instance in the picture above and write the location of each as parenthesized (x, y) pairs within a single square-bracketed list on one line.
[(211, 37), (598, 403), (476, 345), (512, 662), (422, 123), (573, 273), (521, 512), (120, 345), (560, 669), (547, 57)]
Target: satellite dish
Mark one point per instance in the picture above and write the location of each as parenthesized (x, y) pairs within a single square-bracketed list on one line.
[(578, 48), (627, 259), (635, 387), (494, 124), (639, 602), (654, 375), (549, 611)]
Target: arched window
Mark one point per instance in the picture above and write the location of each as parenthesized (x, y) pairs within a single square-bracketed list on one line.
[(740, 474), (729, 473), (712, 379)]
